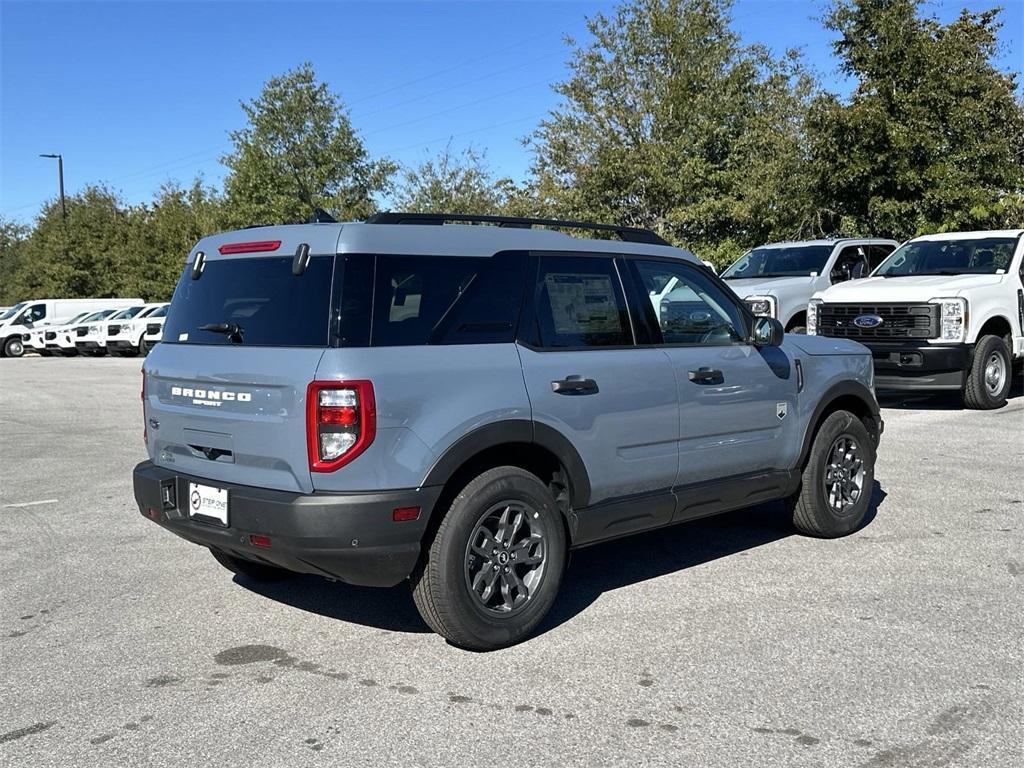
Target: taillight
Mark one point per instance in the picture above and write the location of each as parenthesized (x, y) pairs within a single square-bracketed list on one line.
[(341, 422)]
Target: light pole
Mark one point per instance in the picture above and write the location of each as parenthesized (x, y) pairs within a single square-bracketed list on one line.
[(60, 176)]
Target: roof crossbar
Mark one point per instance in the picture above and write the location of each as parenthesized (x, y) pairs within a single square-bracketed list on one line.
[(626, 234)]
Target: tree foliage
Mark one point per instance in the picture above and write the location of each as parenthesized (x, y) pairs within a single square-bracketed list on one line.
[(450, 183), (932, 137), (668, 121), (299, 152)]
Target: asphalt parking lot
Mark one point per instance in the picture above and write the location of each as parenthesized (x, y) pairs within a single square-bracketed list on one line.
[(719, 643)]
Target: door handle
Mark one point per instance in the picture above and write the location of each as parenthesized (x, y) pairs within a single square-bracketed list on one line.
[(574, 385), (706, 375)]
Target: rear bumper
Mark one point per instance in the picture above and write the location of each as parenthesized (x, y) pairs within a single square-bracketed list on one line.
[(921, 366), (349, 537)]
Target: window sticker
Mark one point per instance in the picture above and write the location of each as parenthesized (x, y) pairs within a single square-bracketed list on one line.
[(582, 303)]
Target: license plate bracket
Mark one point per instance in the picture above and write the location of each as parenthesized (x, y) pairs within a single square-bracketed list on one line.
[(208, 504)]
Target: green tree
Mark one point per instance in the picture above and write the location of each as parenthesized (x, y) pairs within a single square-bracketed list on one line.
[(12, 245), (299, 152), (86, 255), (163, 234), (668, 122), (932, 137), (450, 183)]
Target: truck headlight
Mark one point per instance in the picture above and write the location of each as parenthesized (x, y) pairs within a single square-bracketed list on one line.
[(812, 316), (762, 306), (953, 318)]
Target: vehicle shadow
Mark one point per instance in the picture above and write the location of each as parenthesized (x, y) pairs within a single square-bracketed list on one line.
[(592, 571), (939, 401), (607, 567), (388, 608)]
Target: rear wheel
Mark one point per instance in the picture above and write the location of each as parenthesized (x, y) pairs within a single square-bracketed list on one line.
[(13, 347), (989, 379), (493, 570), (248, 568), (144, 347), (835, 489)]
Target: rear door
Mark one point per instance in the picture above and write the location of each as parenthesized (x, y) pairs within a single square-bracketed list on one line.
[(586, 377), (736, 402), (226, 390)]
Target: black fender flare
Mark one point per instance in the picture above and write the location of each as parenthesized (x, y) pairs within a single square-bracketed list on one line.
[(840, 389), (514, 431)]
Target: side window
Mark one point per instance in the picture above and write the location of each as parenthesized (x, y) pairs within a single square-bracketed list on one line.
[(578, 302), (446, 300), (877, 254), (695, 311), (851, 264)]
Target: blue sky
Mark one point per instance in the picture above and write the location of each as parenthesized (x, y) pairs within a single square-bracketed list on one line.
[(136, 94)]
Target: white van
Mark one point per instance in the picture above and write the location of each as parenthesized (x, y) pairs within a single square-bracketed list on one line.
[(27, 316)]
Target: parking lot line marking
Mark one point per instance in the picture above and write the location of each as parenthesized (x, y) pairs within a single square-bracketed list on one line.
[(31, 503)]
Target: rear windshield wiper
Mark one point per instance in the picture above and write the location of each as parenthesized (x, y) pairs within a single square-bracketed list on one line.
[(233, 331)]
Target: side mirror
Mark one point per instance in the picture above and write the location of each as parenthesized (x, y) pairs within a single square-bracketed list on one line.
[(768, 332)]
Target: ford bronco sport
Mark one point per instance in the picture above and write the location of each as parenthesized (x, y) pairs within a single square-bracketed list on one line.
[(461, 404), (943, 312)]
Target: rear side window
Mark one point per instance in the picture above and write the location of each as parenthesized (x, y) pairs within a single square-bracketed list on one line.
[(261, 296), (578, 302), (443, 299)]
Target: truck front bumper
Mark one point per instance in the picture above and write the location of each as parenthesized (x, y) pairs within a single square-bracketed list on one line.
[(921, 366), (350, 537)]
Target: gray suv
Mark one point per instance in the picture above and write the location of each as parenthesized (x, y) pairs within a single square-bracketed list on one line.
[(461, 404)]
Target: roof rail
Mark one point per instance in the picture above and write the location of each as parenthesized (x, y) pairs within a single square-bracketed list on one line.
[(626, 234)]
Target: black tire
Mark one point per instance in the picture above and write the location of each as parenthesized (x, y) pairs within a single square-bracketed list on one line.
[(13, 346), (441, 584), (144, 347), (69, 352), (990, 377), (813, 512), (250, 569)]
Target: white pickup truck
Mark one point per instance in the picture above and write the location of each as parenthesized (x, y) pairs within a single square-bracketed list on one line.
[(778, 279), (943, 312)]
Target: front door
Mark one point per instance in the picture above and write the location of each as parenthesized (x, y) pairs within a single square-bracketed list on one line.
[(737, 413)]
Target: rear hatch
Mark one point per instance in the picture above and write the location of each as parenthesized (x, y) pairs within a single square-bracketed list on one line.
[(225, 391)]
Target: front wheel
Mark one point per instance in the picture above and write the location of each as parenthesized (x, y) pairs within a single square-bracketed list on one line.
[(494, 568), (835, 489), (989, 379), (13, 347)]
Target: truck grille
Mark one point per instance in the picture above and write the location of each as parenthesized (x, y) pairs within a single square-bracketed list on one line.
[(899, 321), (81, 331), (113, 330), (50, 335)]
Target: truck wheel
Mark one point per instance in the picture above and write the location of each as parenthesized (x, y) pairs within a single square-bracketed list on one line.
[(493, 570), (248, 568), (988, 380), (144, 347), (837, 481), (13, 347)]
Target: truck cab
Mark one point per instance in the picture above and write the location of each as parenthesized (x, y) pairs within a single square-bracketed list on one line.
[(943, 312), (777, 280)]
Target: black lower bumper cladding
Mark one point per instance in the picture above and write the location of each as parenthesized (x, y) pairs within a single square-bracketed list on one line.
[(350, 537)]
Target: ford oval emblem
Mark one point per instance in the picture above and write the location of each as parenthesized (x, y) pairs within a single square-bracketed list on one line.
[(868, 321)]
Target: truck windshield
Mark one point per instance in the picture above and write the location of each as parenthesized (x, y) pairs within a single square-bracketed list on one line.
[(12, 311), (980, 256), (253, 301), (787, 261)]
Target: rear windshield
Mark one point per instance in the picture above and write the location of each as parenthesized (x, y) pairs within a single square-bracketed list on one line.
[(253, 301)]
